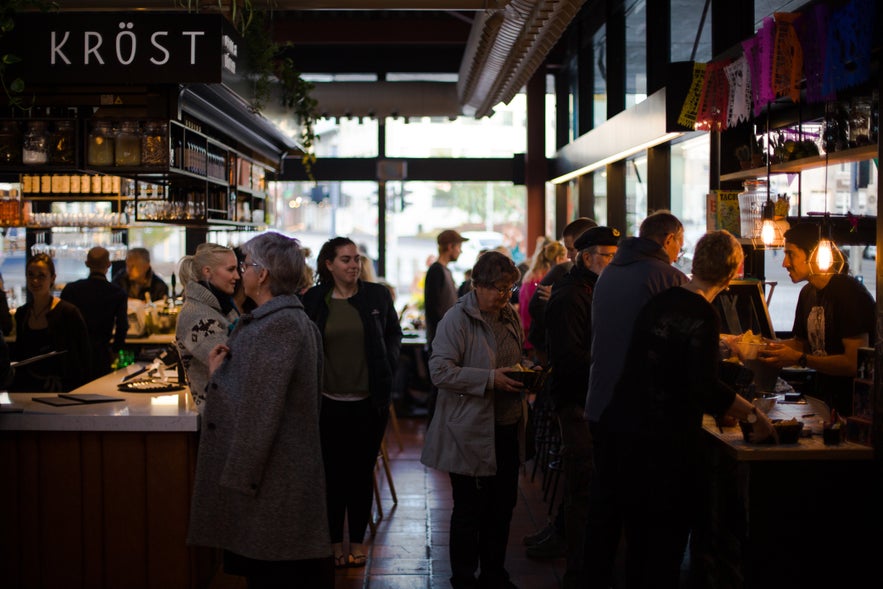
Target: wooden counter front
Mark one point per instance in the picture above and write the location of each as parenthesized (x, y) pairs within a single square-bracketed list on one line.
[(99, 495), (793, 515)]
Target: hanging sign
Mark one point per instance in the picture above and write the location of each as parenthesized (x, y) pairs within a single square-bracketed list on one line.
[(121, 48)]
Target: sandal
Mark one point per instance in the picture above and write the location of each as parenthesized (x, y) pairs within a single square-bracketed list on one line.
[(356, 560), (341, 562)]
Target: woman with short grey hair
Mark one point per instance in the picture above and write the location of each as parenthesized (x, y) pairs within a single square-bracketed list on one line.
[(259, 492), (477, 434)]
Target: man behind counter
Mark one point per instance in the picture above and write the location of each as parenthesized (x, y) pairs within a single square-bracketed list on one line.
[(139, 279), (834, 317)]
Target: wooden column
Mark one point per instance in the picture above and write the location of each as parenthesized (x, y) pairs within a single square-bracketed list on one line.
[(616, 210), (659, 177), (535, 168)]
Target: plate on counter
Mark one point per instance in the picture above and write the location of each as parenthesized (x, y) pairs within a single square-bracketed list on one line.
[(149, 386)]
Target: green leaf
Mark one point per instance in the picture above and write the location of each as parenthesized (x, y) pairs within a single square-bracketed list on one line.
[(17, 86)]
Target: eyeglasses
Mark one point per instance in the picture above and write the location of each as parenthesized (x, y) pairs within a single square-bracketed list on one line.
[(243, 266), (501, 291), (605, 256)]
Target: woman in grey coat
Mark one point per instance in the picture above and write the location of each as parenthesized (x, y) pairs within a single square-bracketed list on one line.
[(209, 278), (477, 432), (259, 492)]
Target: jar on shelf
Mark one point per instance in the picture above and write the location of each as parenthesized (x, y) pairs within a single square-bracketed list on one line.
[(128, 145), (751, 202), (99, 150), (10, 143), (61, 147), (35, 144), (154, 146)]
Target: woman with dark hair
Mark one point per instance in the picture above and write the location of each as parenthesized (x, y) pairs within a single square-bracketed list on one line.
[(48, 324), (477, 432), (209, 278), (259, 492), (362, 339), (668, 381)]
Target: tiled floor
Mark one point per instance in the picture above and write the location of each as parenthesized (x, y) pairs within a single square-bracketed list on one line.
[(410, 548)]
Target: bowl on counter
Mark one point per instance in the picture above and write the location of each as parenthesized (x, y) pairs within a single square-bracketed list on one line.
[(787, 431), (531, 379), (765, 402)]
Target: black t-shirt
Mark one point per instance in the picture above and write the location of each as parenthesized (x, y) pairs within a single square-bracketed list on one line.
[(823, 317)]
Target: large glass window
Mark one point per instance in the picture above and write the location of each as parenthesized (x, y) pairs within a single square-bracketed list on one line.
[(635, 192), (636, 53), (501, 135), (599, 76), (689, 188), (599, 181), (490, 214), (686, 20)]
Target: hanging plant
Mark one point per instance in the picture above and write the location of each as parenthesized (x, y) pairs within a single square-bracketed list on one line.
[(270, 69), (15, 88)]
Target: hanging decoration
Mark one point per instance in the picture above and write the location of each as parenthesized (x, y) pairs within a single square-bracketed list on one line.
[(848, 55), (829, 50), (812, 32), (787, 57), (739, 83), (712, 110), (694, 94)]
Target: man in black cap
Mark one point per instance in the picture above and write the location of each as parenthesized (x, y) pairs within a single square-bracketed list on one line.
[(569, 317), (439, 290), (834, 317)]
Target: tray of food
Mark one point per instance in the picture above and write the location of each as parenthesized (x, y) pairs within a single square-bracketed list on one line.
[(149, 386), (533, 379), (788, 431)]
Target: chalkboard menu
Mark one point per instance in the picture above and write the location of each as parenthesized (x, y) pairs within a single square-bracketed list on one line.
[(742, 306)]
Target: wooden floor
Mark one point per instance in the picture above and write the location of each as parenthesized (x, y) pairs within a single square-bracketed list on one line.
[(410, 548)]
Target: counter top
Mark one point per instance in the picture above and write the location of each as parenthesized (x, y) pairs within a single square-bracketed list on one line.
[(812, 448), (171, 412)]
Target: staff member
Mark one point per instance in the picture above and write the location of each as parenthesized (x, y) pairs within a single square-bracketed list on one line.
[(833, 319)]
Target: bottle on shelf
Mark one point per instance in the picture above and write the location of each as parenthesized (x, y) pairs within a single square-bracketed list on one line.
[(100, 149), (35, 145)]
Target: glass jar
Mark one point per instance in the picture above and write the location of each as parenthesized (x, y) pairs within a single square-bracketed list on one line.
[(751, 202), (100, 145), (10, 143), (35, 145), (61, 147), (128, 145), (154, 147)]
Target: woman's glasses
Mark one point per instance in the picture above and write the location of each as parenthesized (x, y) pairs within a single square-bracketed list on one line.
[(243, 266)]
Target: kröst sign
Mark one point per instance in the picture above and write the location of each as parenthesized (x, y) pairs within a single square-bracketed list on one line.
[(123, 47)]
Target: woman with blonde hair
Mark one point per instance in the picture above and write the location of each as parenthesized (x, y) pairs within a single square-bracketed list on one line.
[(209, 278), (552, 253)]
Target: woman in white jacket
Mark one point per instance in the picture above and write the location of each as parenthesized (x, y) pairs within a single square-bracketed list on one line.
[(477, 431), (209, 277)]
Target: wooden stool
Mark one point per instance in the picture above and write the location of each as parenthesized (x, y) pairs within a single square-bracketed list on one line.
[(377, 517)]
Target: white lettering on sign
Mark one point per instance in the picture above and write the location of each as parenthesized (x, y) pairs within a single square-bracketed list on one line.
[(230, 46), (154, 40), (125, 43), (229, 64)]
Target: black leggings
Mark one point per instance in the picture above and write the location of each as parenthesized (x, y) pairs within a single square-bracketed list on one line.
[(351, 432)]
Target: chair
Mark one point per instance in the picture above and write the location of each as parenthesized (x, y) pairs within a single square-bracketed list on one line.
[(382, 460)]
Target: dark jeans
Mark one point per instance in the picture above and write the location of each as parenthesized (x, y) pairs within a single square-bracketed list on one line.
[(351, 432), (316, 573), (605, 516), (481, 517), (576, 452)]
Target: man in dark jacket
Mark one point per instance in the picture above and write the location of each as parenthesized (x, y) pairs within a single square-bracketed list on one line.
[(641, 268), (138, 279), (103, 306), (569, 318)]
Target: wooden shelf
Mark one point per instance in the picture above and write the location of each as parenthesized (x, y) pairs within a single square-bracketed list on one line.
[(807, 163)]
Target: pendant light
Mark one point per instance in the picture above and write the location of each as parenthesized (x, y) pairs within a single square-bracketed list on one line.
[(826, 259), (770, 235)]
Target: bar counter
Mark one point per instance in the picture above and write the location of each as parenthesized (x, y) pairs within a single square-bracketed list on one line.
[(98, 495), (790, 515)]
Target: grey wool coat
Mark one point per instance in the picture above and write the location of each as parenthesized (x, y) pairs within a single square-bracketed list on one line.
[(260, 484), (201, 326)]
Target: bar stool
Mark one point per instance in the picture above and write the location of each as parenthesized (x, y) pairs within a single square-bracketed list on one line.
[(382, 460)]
